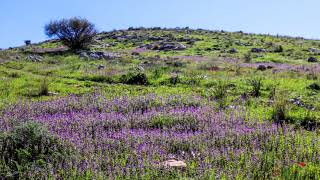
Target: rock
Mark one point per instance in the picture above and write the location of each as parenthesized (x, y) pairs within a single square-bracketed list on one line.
[(84, 55), (261, 67), (165, 46), (314, 50), (258, 50), (109, 55), (99, 55), (312, 59), (34, 58), (174, 163), (101, 67), (154, 38), (297, 101), (135, 54), (94, 56), (52, 93), (233, 51)]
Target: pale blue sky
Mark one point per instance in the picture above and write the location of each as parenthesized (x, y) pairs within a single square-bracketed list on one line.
[(25, 19)]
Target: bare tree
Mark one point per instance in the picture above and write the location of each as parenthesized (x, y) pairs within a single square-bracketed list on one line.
[(76, 33)]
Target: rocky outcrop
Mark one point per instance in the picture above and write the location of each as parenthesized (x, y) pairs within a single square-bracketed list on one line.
[(258, 50), (99, 55), (165, 46), (34, 58)]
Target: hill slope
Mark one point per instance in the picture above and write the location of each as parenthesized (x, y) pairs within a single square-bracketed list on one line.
[(162, 103)]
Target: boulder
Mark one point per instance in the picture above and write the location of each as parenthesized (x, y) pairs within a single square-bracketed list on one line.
[(101, 67), (99, 55), (261, 67), (314, 50), (312, 59), (94, 56), (110, 55), (84, 55), (258, 50), (233, 51), (155, 38), (135, 53), (174, 164), (53, 93), (165, 46), (34, 58)]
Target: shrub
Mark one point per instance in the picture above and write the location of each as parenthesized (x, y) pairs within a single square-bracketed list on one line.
[(278, 49), (247, 57), (135, 77), (176, 64), (13, 75), (220, 93), (44, 87), (272, 90), (174, 79), (97, 78), (157, 72), (256, 84), (29, 145), (314, 86), (313, 75), (279, 112), (76, 33), (211, 66)]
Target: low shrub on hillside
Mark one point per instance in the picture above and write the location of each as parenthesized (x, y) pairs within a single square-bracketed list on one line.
[(247, 57), (97, 78), (44, 87), (219, 92), (29, 147), (135, 77), (256, 85), (280, 109)]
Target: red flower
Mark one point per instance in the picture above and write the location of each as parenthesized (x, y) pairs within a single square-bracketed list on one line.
[(302, 164)]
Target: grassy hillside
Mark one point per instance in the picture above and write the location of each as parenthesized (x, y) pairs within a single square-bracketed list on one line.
[(153, 82)]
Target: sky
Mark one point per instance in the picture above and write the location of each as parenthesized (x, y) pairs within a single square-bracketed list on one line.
[(25, 19)]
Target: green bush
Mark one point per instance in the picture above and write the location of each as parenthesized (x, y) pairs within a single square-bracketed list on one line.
[(220, 92), (27, 146), (247, 57), (135, 77), (256, 84), (280, 110), (97, 78), (44, 87), (174, 79)]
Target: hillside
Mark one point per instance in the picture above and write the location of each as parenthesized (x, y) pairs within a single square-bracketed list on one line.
[(196, 58), (211, 99)]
